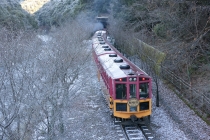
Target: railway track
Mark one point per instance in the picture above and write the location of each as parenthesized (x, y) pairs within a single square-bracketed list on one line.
[(134, 132)]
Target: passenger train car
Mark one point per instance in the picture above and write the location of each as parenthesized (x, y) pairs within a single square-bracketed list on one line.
[(128, 89)]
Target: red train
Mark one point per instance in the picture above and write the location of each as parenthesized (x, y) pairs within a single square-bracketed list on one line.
[(127, 88)]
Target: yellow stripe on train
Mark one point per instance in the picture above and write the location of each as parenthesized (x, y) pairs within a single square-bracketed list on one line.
[(123, 110)]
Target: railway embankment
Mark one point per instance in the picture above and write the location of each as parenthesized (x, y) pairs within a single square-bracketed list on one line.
[(175, 112), (182, 118), (90, 119), (152, 61), (183, 35), (174, 117)]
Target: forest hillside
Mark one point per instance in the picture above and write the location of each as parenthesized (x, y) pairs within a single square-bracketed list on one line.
[(14, 17), (180, 29)]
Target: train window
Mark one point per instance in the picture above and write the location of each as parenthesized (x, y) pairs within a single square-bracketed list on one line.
[(144, 106), (132, 90), (143, 90), (121, 91), (121, 107)]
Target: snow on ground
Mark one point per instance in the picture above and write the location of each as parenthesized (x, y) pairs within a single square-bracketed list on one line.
[(89, 117), (175, 120), (164, 126), (44, 38)]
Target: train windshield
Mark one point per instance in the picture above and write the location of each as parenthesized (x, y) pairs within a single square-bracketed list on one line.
[(121, 91), (143, 90)]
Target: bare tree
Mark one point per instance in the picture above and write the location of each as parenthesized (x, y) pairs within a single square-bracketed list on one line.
[(15, 63), (62, 80)]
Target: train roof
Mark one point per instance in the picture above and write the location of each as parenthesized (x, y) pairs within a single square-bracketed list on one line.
[(100, 46), (111, 67), (114, 69)]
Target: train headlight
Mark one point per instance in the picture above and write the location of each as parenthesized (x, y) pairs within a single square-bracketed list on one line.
[(132, 79)]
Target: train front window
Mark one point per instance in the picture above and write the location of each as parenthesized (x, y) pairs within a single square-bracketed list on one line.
[(121, 91), (132, 91), (143, 90)]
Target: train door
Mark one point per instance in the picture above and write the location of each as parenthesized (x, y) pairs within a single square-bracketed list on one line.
[(132, 90), (133, 94)]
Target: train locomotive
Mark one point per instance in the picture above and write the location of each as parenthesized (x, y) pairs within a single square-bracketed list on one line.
[(127, 88)]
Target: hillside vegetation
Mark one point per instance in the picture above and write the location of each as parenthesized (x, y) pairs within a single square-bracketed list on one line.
[(179, 29), (13, 17), (31, 14), (56, 13)]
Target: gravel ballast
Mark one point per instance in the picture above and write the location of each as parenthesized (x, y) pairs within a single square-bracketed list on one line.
[(90, 119)]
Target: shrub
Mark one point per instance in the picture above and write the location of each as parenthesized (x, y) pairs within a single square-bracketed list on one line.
[(160, 30)]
